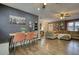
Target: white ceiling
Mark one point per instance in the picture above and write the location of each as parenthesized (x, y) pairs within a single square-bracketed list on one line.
[(50, 10)]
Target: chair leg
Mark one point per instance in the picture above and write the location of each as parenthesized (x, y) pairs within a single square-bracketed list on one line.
[(33, 41), (21, 44), (10, 46), (14, 49), (25, 43), (29, 42)]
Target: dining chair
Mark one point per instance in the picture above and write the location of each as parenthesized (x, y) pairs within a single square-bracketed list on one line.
[(34, 36), (30, 37), (18, 38)]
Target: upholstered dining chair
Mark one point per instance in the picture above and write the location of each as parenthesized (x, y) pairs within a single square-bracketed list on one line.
[(18, 38), (34, 34), (30, 37)]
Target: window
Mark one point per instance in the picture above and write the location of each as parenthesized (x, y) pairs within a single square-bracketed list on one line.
[(70, 26), (76, 26), (73, 26)]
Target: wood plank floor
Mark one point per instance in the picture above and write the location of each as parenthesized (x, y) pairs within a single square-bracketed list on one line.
[(50, 47)]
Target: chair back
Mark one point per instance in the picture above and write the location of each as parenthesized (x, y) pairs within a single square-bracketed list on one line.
[(30, 35), (19, 37)]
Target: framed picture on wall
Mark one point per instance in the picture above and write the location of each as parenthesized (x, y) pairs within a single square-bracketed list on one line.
[(17, 20)]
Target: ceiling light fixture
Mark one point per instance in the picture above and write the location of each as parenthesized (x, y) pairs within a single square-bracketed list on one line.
[(62, 16), (44, 4)]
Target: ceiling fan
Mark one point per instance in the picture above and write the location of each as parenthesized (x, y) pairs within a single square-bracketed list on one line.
[(63, 15)]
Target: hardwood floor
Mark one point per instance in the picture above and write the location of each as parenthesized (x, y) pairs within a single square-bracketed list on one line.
[(50, 47)]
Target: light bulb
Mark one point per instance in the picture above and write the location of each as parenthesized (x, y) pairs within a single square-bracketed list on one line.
[(61, 17), (45, 3)]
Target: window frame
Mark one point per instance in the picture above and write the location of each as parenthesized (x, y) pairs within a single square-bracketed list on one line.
[(74, 27)]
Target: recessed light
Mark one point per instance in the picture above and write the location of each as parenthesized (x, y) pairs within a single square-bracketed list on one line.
[(38, 9)]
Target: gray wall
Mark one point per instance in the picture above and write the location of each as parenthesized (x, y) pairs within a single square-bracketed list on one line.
[(6, 27)]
